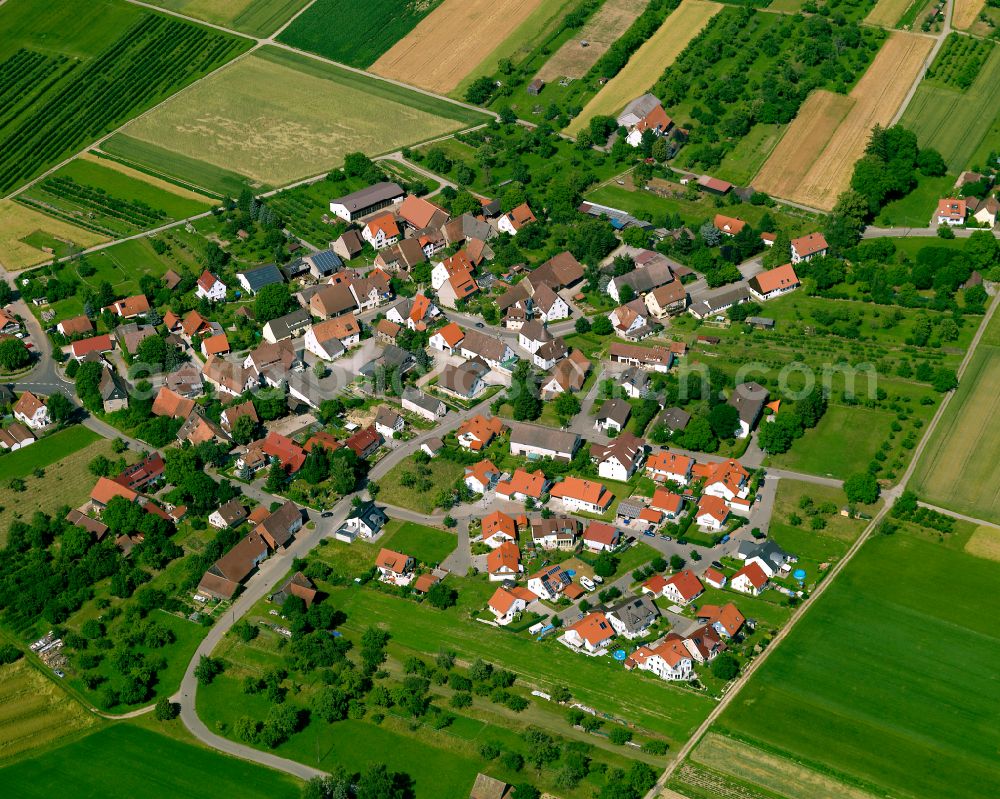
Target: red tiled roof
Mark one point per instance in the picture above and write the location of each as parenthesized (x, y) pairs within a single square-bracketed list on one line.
[(506, 557), (781, 277), (687, 584)]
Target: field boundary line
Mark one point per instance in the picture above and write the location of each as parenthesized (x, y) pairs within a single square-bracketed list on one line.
[(939, 42), (960, 516), (888, 497), (294, 17)]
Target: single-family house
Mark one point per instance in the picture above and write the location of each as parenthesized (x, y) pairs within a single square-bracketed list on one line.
[(714, 577), (482, 476), (210, 287), (388, 423), (704, 643), (712, 513), (568, 375), (504, 562), (555, 532), (215, 345), (593, 633), (773, 283), (749, 400), (516, 219), (349, 245), (382, 231), (32, 411), (682, 587), (430, 408), (365, 442), (507, 603), (130, 307), (447, 338), (812, 245), (632, 617), (170, 403), (726, 479), (548, 305), (16, 436), (497, 527), (727, 619), (365, 520), (655, 358), (229, 377), (329, 339), (631, 321), (618, 459), (728, 225), (75, 326), (230, 514), (667, 503), (464, 381), (950, 211), (656, 273), (492, 350), (768, 555), (479, 432), (579, 495), (599, 536), (84, 347), (224, 577), (113, 390), (669, 659), (522, 486), (394, 568), (288, 326), (751, 579), (613, 415)]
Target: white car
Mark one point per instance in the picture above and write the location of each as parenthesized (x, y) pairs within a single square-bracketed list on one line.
[(587, 583)]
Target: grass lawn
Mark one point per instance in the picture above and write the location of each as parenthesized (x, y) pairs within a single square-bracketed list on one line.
[(29, 237), (854, 673), (46, 451), (258, 118), (173, 769), (67, 481), (440, 472), (956, 469), (745, 159), (429, 545), (917, 207), (35, 712), (598, 682), (840, 445)]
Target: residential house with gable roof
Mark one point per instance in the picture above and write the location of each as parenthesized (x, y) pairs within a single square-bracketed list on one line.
[(522, 486), (416, 401), (482, 476), (549, 583), (555, 532), (593, 633), (726, 619), (682, 587), (478, 432), (32, 411), (381, 231), (538, 441), (395, 568), (632, 617), (619, 458), (599, 536), (210, 287), (773, 283), (751, 579), (712, 513), (447, 339), (516, 219), (504, 562), (812, 245), (577, 494), (507, 603), (498, 528), (668, 659)]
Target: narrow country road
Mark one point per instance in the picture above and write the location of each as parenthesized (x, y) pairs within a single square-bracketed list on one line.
[(960, 516)]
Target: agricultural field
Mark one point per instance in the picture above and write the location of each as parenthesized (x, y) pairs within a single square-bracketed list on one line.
[(62, 86), (572, 60), (256, 17), (29, 237), (66, 481), (439, 52), (440, 473), (816, 175), (984, 543), (740, 164), (965, 13), (852, 701), (180, 770), (959, 62), (260, 118), (886, 13), (34, 712), (951, 471), (957, 123), (658, 53), (108, 200), (364, 31)]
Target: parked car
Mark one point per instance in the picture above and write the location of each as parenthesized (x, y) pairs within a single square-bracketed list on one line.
[(716, 564), (665, 537), (598, 579), (326, 514), (650, 533), (480, 325)]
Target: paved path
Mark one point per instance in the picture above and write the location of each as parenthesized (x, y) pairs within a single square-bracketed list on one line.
[(938, 41), (888, 497), (916, 232)]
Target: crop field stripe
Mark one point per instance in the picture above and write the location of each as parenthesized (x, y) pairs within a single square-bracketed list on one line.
[(877, 97), (146, 157), (373, 86), (958, 468), (956, 123), (150, 180), (451, 41), (804, 140), (648, 63), (965, 13), (887, 12)]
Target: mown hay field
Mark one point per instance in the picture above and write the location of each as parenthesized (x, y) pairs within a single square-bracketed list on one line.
[(958, 467), (649, 61), (815, 177), (953, 122), (277, 116), (887, 12), (572, 60), (882, 685), (18, 223), (256, 17), (984, 543), (965, 13), (149, 180), (451, 41), (34, 712)]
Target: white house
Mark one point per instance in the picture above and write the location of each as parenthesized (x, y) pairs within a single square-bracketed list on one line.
[(447, 339), (549, 306), (30, 410), (666, 466), (481, 477), (498, 528), (951, 211), (388, 423), (394, 568), (632, 617), (593, 633), (328, 340), (619, 459), (712, 513), (751, 579), (577, 495), (810, 246), (430, 408), (549, 583), (538, 441), (210, 287), (504, 563), (726, 480), (515, 220), (773, 283), (381, 232), (668, 660), (365, 520), (682, 587), (506, 604)]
